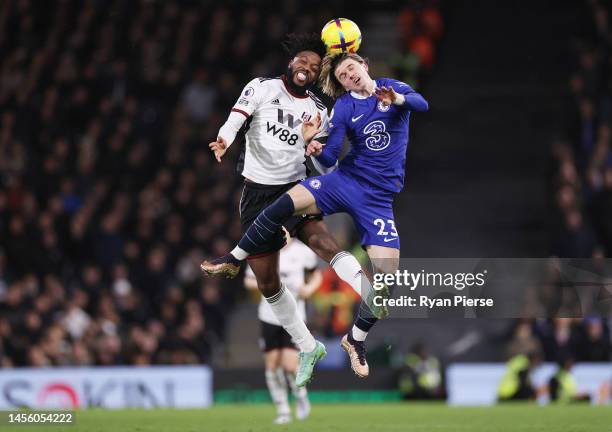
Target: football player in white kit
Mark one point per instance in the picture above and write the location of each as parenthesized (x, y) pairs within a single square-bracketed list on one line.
[(274, 110), (300, 275)]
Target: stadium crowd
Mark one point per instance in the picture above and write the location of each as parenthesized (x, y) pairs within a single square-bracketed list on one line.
[(581, 184), (582, 174), (585, 340), (108, 193)]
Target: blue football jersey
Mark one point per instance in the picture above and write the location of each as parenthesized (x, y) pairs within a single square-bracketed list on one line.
[(378, 135)]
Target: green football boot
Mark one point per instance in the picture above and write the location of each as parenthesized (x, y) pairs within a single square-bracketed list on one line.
[(307, 362)]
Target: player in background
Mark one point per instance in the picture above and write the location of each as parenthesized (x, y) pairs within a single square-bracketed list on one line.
[(375, 115), (299, 273), (274, 110)]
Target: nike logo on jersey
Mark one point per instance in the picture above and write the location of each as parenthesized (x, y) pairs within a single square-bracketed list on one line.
[(354, 119), (387, 240)]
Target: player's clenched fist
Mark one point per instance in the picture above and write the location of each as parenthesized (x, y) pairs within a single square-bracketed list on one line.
[(219, 147), (314, 148)]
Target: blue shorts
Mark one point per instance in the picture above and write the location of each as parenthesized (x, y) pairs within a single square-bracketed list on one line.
[(371, 208)]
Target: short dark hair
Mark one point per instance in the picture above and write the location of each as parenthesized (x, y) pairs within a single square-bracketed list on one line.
[(297, 42)]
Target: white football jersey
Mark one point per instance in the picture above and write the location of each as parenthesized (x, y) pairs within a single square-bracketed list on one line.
[(275, 147), (295, 259)]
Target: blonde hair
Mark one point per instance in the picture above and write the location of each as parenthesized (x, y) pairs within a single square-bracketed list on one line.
[(327, 79)]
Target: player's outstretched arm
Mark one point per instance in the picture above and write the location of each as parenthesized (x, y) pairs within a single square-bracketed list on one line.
[(227, 133), (244, 107), (415, 102), (401, 94)]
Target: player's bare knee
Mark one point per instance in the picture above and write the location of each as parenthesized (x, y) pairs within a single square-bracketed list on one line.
[(324, 246), (289, 366), (384, 259), (268, 288), (272, 360), (386, 265)]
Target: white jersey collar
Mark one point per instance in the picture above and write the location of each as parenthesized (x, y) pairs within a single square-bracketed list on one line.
[(358, 96)]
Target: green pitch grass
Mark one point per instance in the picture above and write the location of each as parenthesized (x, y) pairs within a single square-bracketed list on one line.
[(345, 418)]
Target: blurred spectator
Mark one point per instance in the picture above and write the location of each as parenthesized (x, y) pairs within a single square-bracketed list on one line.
[(421, 375), (516, 382), (595, 343), (583, 340), (199, 97), (559, 338), (562, 387), (581, 220), (523, 340)]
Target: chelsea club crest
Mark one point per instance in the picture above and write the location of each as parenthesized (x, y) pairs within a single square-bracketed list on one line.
[(315, 183), (382, 107)]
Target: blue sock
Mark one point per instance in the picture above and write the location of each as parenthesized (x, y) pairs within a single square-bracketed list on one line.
[(266, 225)]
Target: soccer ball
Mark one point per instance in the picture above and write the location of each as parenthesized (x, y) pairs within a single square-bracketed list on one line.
[(341, 35)]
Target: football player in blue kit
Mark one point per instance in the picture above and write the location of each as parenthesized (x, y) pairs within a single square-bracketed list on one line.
[(374, 115)]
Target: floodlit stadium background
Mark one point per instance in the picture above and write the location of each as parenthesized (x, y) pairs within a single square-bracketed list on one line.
[(109, 197)]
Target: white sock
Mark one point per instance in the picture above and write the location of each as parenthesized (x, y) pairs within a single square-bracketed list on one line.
[(298, 392), (348, 269), (285, 308), (239, 254), (358, 334), (275, 379)]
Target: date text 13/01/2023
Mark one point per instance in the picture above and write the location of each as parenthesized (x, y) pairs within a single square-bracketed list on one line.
[(431, 303)]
